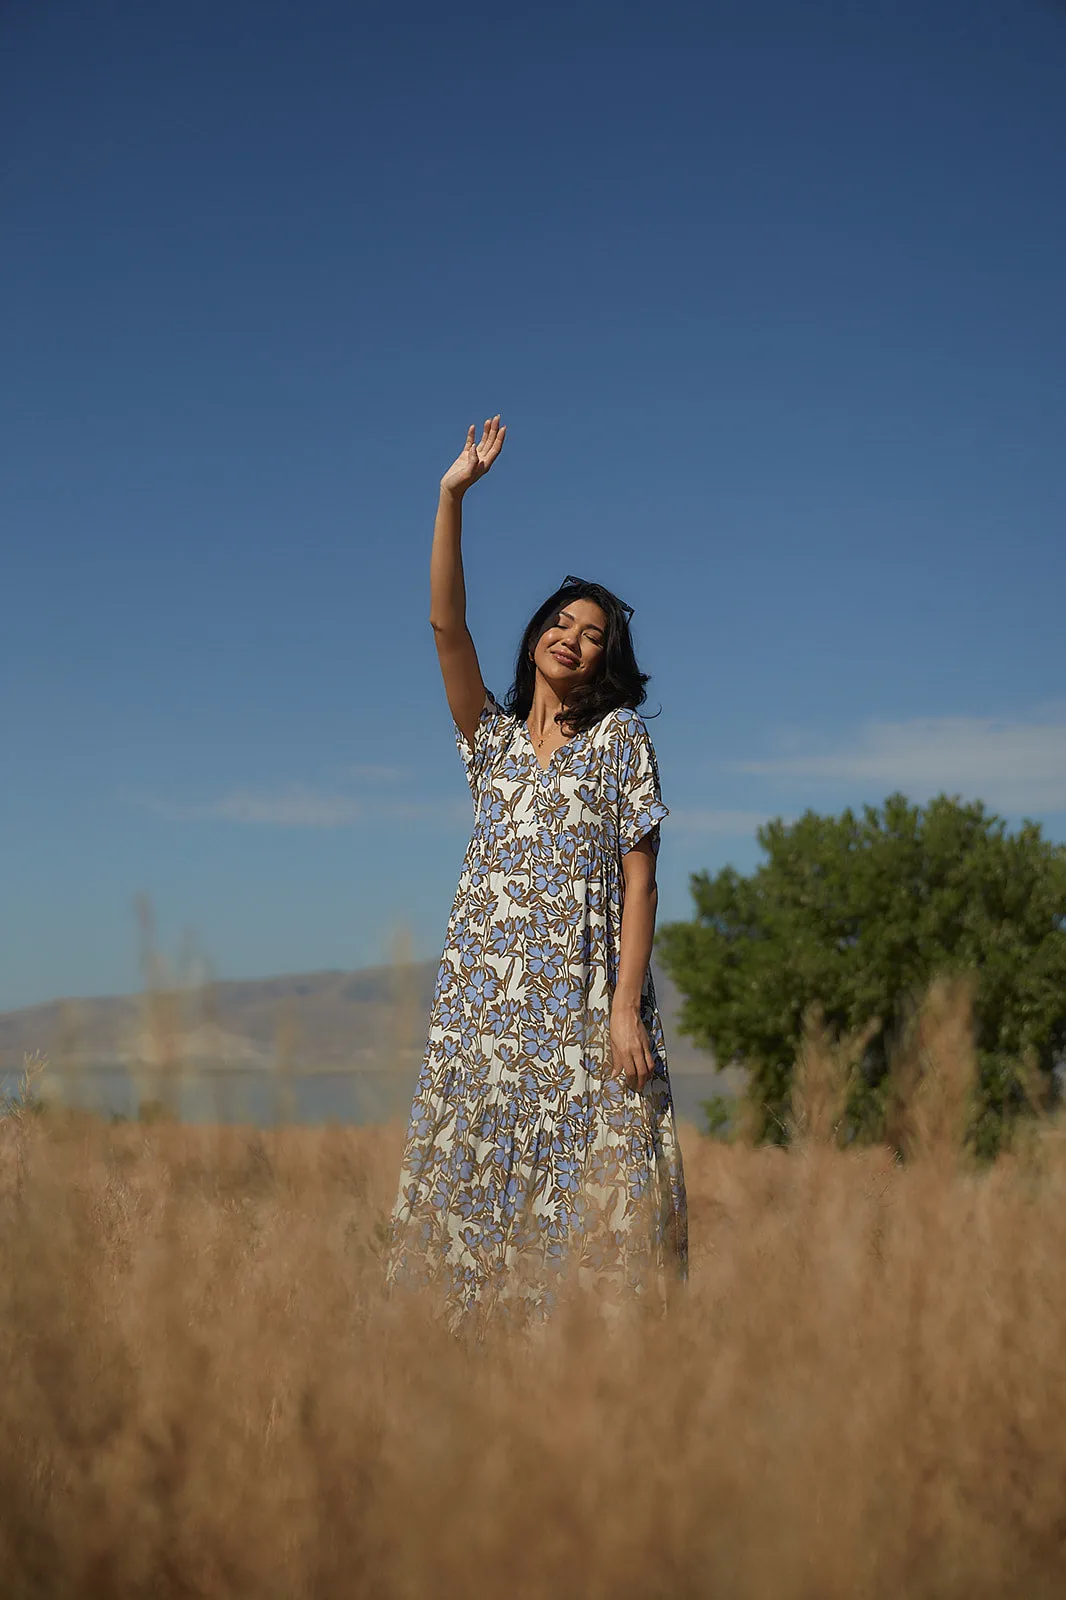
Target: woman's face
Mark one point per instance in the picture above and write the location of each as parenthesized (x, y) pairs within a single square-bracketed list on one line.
[(570, 649)]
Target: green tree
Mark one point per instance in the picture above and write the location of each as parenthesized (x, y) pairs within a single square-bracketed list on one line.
[(860, 913)]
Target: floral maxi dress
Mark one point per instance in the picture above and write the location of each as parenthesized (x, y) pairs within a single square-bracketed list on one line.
[(525, 1161)]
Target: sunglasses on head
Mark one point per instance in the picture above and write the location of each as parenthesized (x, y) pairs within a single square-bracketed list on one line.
[(583, 583)]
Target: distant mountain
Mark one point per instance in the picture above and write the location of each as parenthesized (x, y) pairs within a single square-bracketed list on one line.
[(324, 1021)]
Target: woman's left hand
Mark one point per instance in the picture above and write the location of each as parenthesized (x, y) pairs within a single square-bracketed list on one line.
[(631, 1057)]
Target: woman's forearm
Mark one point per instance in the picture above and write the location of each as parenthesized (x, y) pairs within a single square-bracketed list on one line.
[(635, 943), (447, 587)]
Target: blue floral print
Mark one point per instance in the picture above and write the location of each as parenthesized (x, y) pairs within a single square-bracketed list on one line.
[(521, 1149)]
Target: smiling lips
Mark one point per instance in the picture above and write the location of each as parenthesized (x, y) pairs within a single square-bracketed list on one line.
[(566, 659)]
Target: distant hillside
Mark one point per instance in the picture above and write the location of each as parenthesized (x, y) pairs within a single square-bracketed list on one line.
[(325, 1021)]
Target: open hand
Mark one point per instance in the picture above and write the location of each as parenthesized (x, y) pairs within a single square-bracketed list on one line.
[(631, 1057), (474, 460)]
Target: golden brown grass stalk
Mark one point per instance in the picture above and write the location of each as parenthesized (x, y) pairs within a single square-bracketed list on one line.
[(934, 1074), (822, 1079)]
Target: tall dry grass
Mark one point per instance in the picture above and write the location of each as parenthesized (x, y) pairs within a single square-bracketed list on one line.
[(861, 1393)]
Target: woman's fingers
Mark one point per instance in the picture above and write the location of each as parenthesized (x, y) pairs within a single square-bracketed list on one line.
[(647, 1063), (474, 459), (635, 1064), (626, 1067), (495, 445), (632, 1058), (491, 442)]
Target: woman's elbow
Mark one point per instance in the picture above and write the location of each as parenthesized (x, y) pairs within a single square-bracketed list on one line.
[(639, 874), (444, 627)]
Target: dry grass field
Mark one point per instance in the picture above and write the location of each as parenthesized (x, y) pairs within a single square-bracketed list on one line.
[(861, 1392)]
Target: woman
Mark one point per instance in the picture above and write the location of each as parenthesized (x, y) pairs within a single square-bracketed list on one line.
[(542, 1144)]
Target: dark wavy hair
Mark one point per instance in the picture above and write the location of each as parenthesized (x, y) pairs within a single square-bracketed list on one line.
[(619, 681)]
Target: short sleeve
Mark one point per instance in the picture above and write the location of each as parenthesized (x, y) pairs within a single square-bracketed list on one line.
[(488, 735), (640, 806)]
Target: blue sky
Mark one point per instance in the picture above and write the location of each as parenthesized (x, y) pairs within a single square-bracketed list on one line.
[(771, 298)]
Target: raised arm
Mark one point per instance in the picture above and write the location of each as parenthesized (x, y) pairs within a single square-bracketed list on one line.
[(447, 591)]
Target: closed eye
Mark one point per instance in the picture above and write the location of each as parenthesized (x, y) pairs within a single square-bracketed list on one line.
[(593, 634)]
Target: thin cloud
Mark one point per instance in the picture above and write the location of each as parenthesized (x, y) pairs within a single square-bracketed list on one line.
[(695, 819), (1017, 767), (299, 806), (295, 806)]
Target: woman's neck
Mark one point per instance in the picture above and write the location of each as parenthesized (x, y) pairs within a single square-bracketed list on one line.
[(545, 709)]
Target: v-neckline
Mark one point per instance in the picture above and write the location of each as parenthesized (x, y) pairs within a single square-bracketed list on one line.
[(533, 749)]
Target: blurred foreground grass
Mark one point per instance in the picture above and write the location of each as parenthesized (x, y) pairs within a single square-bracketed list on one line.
[(861, 1392)]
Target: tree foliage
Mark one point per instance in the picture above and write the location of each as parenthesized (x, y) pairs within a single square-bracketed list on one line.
[(859, 914)]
